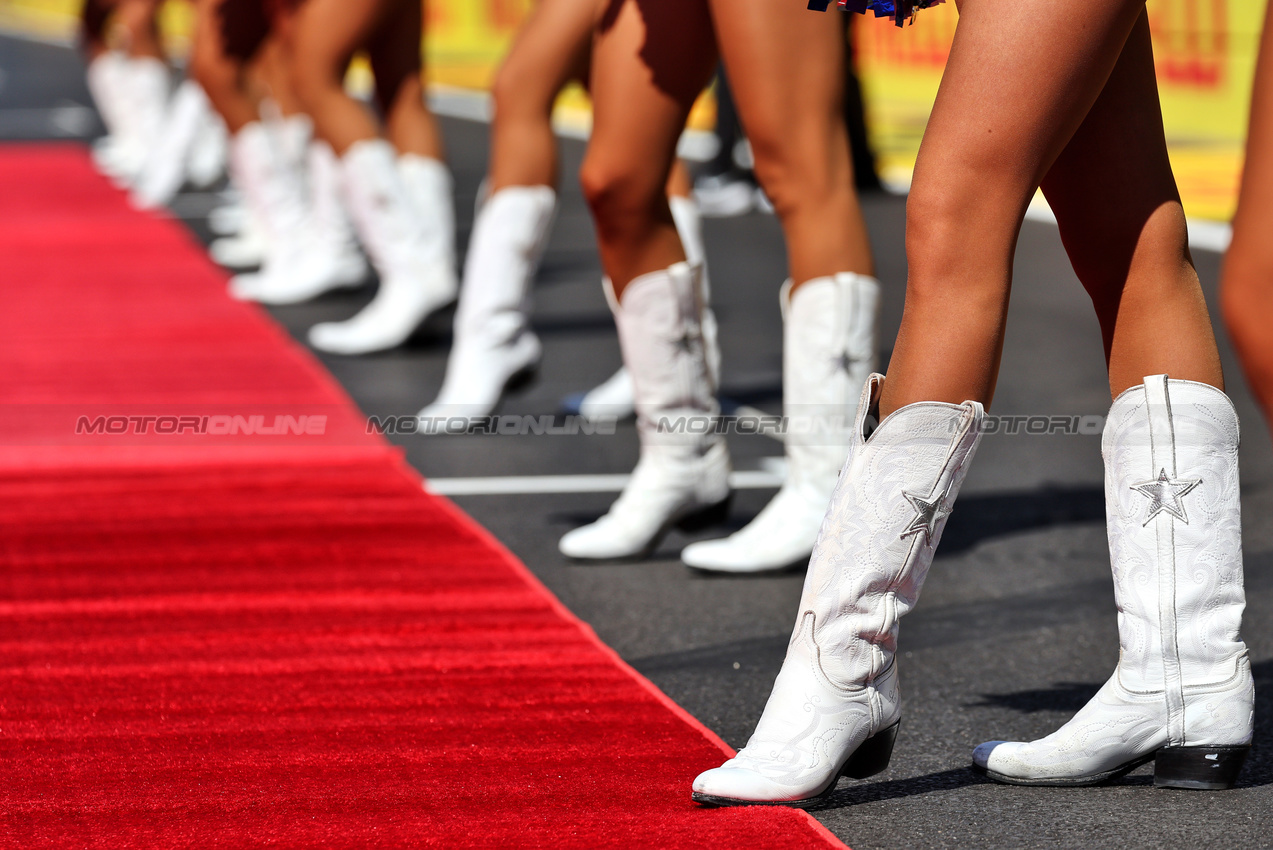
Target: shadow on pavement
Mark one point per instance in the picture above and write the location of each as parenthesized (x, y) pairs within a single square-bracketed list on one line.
[(946, 780), (1069, 697), (978, 517), (1066, 697)]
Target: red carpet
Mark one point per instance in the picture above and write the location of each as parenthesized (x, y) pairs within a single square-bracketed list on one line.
[(276, 639)]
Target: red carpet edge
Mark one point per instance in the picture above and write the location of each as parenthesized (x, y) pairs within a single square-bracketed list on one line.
[(276, 640)]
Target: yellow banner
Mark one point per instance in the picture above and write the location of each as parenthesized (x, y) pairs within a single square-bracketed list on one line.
[(1204, 51)]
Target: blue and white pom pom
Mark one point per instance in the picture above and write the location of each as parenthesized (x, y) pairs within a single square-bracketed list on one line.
[(900, 11)]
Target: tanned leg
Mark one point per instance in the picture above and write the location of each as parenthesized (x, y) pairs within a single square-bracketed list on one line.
[(650, 60), (1020, 80), (1121, 220), (1247, 287), (395, 50), (221, 74), (552, 48), (786, 68), (328, 32)]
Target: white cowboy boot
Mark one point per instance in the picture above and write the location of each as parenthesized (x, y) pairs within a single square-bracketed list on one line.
[(682, 478), (144, 83), (301, 262), (165, 169), (293, 133), (330, 222), (243, 249), (834, 709), (1182, 693), (240, 242), (207, 161), (105, 77), (251, 165), (493, 341), (614, 396), (829, 350), (404, 218)]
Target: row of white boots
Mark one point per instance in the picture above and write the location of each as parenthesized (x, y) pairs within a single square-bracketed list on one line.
[(1182, 694), (682, 478), (306, 212), (400, 209), (667, 333), (158, 137)]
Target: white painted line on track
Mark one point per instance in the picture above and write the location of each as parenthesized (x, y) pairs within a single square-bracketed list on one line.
[(13, 29), (1210, 235), (63, 120), (522, 485)]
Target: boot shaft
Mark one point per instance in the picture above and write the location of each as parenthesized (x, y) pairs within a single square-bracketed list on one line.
[(330, 219), (689, 226), (660, 322), (1175, 533), (887, 514), (508, 238), (106, 82), (431, 194), (397, 234), (273, 189), (829, 331)]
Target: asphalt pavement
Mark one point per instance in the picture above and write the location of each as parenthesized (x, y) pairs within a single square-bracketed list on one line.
[(1016, 628)]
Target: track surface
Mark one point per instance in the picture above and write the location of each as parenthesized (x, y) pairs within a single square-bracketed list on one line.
[(1016, 629)]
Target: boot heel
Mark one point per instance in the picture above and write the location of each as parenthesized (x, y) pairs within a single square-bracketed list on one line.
[(873, 756), (706, 518), (522, 378), (1199, 768)]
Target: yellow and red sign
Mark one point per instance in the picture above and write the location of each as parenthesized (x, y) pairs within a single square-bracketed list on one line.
[(1204, 51)]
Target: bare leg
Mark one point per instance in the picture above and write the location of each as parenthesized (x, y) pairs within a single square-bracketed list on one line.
[(552, 48), (328, 32), (94, 18), (1133, 256), (140, 21), (786, 67), (1021, 78), (679, 184), (221, 75), (274, 64), (396, 61), (643, 90), (1247, 289)]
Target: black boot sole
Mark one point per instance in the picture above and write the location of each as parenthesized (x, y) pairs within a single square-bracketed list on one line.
[(1191, 768)]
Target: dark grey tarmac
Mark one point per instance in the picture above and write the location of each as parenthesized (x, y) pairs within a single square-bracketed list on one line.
[(1016, 628)]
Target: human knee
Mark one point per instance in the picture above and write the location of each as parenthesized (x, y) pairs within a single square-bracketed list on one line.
[(516, 96), (617, 194), (951, 227), (137, 15), (797, 174), (313, 77), (216, 74)]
